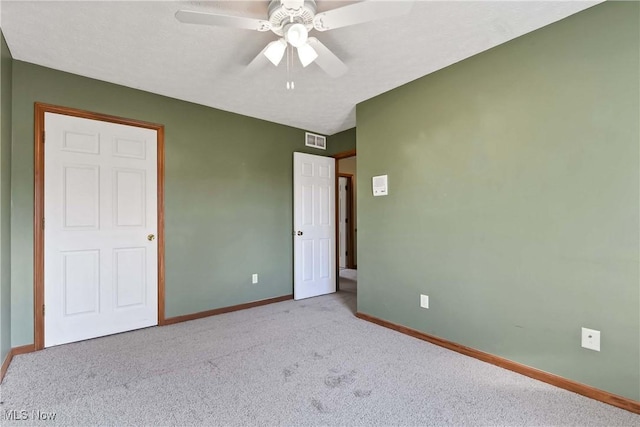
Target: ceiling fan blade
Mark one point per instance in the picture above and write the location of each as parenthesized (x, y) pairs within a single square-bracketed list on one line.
[(358, 13), (307, 54), (204, 18), (260, 61), (326, 59)]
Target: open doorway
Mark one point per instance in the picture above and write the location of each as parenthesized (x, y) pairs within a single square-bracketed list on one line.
[(346, 221)]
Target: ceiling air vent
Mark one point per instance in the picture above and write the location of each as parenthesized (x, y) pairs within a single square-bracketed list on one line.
[(315, 141)]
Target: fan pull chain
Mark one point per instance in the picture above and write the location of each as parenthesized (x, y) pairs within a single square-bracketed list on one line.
[(290, 84)]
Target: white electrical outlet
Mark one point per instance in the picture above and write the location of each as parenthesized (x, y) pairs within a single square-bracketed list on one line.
[(591, 339), (254, 278), (424, 301)]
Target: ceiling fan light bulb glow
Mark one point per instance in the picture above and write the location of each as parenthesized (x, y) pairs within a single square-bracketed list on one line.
[(307, 54), (296, 34), (275, 51)]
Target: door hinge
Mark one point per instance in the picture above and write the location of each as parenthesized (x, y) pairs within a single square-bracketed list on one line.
[(346, 220), (44, 136), (43, 309), (43, 223)]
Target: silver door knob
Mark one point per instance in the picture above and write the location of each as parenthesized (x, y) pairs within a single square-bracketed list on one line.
[(300, 233)]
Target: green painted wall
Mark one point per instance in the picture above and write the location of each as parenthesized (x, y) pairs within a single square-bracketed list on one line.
[(5, 198), (342, 141), (228, 190), (514, 200)]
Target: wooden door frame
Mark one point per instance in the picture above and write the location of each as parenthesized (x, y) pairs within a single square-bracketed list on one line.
[(38, 217), (350, 225), (338, 156)]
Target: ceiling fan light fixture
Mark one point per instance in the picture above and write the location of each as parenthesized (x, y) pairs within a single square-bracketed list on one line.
[(296, 34), (275, 51), (307, 54)]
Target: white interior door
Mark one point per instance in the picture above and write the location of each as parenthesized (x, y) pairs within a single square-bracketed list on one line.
[(342, 221), (100, 207), (314, 225)]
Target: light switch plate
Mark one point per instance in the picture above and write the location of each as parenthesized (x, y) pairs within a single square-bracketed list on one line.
[(591, 339), (424, 301)]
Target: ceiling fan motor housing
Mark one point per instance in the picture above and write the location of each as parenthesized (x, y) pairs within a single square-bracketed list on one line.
[(282, 13)]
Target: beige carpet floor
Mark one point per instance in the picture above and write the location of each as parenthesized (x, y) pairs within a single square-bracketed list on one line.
[(309, 362)]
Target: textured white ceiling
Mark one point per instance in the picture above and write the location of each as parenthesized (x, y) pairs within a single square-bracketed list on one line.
[(141, 45)]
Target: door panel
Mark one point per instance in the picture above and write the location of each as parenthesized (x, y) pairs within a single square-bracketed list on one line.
[(325, 203), (307, 205), (81, 282), (81, 204), (79, 142), (100, 204), (129, 197), (130, 276), (314, 225), (325, 255), (135, 149)]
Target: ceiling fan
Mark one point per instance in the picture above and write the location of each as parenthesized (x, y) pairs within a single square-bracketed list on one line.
[(293, 19)]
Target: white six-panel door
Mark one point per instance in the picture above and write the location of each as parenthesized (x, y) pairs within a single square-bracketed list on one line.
[(314, 225), (100, 208)]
